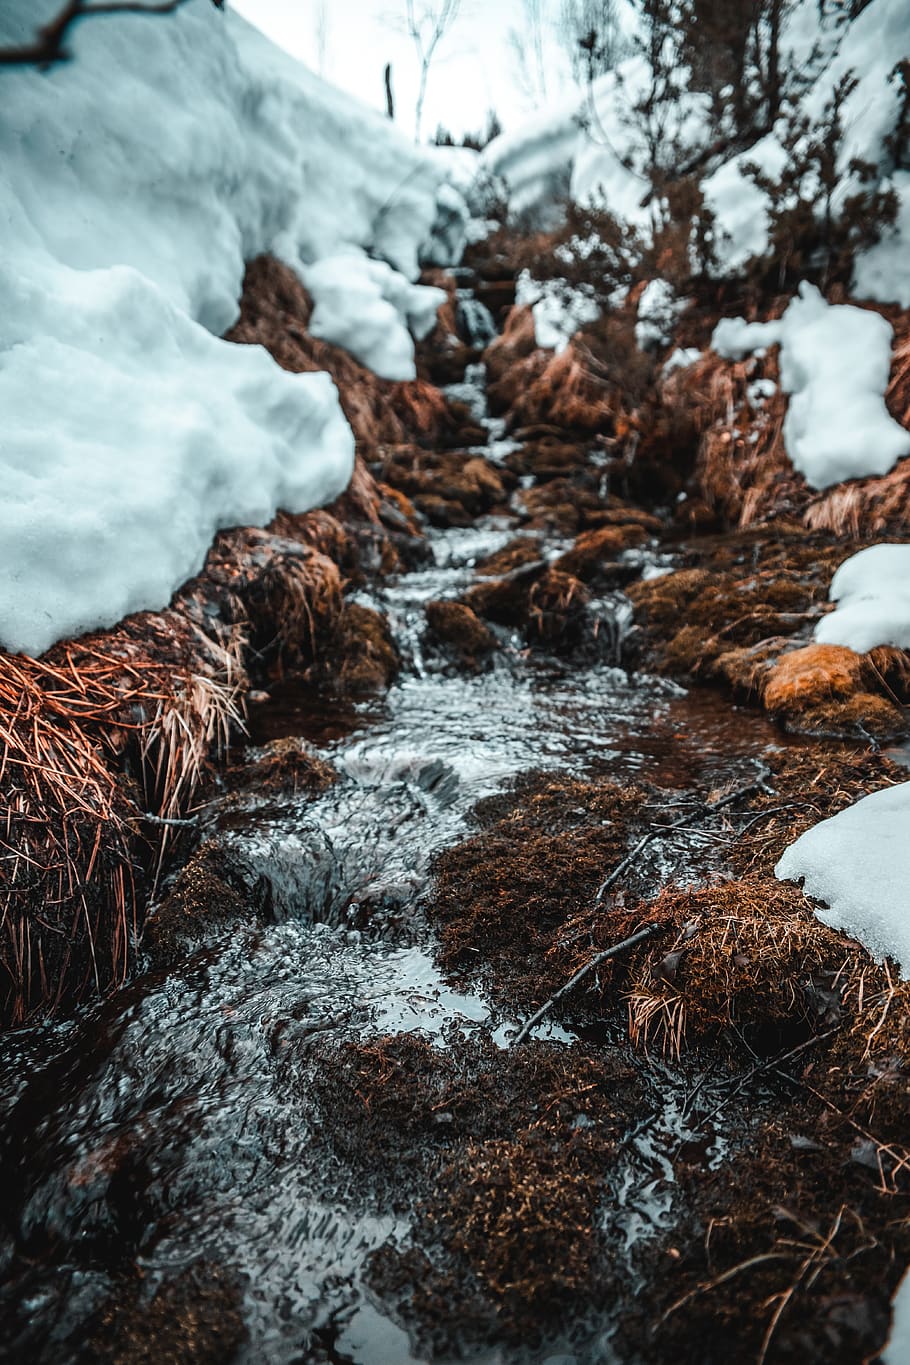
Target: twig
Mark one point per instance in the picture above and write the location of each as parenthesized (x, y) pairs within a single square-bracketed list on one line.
[(582, 972), (171, 822), (47, 48), (701, 812)]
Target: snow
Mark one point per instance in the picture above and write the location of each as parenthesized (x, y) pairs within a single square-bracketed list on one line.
[(135, 182), (359, 305), (595, 149), (872, 592), (658, 309), (558, 310), (835, 362), (858, 864), (534, 163), (882, 273), (681, 359), (897, 1351)]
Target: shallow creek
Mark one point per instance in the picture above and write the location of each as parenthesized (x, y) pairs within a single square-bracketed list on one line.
[(171, 1124), (162, 1126)]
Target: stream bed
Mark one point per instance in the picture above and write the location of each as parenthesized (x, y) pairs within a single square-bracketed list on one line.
[(168, 1126)]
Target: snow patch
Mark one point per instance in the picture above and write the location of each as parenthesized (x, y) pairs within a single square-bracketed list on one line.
[(835, 362), (858, 863), (360, 305), (872, 592), (558, 310)]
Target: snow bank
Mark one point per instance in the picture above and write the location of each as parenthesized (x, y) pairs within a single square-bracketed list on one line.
[(872, 592), (135, 181), (858, 863), (835, 361), (534, 163)]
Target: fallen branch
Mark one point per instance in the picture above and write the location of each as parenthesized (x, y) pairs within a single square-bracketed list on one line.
[(582, 972), (701, 812)]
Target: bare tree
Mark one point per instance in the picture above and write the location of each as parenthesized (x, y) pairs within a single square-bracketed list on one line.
[(49, 43), (527, 44), (591, 35), (323, 30), (428, 22)]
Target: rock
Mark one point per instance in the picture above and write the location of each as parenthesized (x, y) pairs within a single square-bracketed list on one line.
[(456, 625)]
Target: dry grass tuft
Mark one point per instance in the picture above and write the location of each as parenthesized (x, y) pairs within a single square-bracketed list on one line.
[(748, 956), (96, 736)]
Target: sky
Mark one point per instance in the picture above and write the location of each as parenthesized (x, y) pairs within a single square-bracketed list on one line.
[(473, 70)]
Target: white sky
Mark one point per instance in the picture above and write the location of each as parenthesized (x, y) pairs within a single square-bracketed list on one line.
[(472, 71)]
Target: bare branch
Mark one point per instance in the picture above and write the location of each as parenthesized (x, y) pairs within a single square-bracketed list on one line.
[(49, 44)]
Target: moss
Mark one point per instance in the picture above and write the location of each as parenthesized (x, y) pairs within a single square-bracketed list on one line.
[(593, 549), (518, 554), (209, 892), (456, 625), (503, 896), (362, 659), (195, 1319), (284, 766)]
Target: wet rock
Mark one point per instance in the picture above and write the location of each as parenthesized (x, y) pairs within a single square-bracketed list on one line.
[(212, 891), (557, 611), (442, 512), (548, 458), (456, 625), (362, 659), (519, 553)]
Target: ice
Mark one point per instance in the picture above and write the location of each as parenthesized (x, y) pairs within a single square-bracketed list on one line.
[(135, 183), (858, 864), (835, 362)]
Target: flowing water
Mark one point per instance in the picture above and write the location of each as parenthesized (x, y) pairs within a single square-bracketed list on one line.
[(175, 1123)]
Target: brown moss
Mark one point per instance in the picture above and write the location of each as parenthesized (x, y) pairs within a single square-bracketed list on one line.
[(456, 625), (362, 658), (557, 610), (474, 485), (748, 961), (194, 1319), (518, 554), (593, 549), (503, 896), (811, 675), (285, 766), (208, 893), (520, 1215)]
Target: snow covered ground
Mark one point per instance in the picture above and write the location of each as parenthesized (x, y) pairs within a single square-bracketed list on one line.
[(835, 361), (135, 182), (593, 147)]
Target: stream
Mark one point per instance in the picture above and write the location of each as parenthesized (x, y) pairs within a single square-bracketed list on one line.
[(175, 1123)]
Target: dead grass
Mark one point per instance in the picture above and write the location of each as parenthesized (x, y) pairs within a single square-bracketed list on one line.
[(94, 736)]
